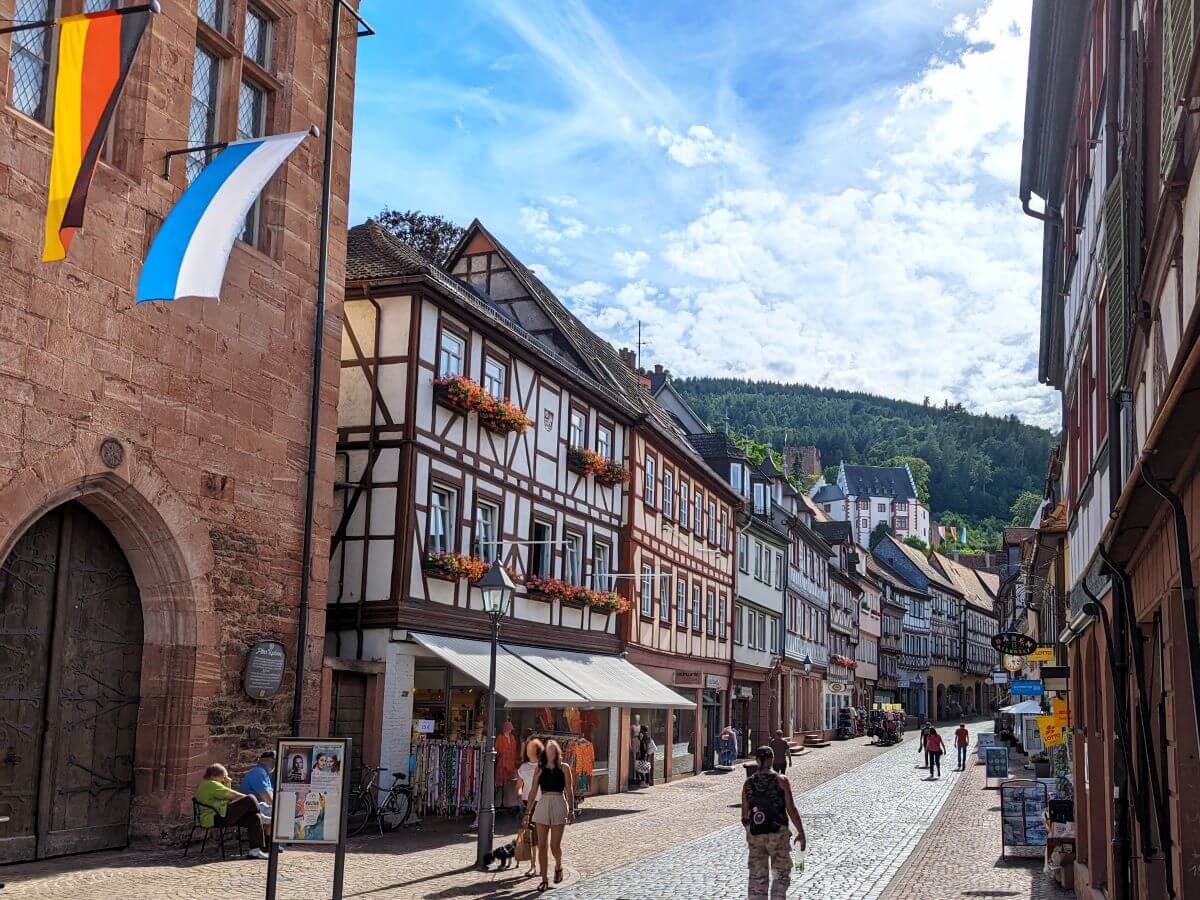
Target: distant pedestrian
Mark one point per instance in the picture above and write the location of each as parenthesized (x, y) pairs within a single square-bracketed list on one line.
[(962, 740), (934, 747), (782, 752), (727, 746), (767, 804), (647, 750), (921, 748)]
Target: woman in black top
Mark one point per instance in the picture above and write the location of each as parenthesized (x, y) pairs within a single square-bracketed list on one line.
[(553, 802)]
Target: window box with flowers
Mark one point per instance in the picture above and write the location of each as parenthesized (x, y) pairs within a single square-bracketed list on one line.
[(550, 589), (583, 461), (465, 395), (453, 566), (613, 474)]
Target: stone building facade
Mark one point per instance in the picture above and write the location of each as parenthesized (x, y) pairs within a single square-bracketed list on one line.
[(158, 452)]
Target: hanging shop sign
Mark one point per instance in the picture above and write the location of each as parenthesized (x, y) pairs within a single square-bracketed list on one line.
[(999, 678), (1027, 688), (688, 679), (1014, 663), (1042, 654), (1013, 643), (836, 687), (264, 670), (712, 682)]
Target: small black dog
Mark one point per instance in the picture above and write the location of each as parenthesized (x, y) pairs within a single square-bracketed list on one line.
[(503, 855)]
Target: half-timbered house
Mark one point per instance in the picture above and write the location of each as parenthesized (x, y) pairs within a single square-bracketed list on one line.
[(467, 436)]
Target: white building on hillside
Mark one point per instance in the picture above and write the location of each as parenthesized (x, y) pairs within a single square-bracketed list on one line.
[(864, 496)]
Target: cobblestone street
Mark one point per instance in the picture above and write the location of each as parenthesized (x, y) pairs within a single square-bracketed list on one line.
[(872, 820)]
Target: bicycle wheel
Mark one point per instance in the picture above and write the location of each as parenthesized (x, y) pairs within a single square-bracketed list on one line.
[(396, 809), (362, 807)]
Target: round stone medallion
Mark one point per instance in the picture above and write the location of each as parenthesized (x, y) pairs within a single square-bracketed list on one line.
[(112, 454)]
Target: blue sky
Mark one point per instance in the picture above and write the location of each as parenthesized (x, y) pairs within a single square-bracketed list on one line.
[(809, 191)]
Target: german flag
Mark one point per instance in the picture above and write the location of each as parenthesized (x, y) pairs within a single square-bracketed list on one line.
[(95, 52)]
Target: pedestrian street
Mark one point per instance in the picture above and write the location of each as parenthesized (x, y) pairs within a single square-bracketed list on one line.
[(861, 827)]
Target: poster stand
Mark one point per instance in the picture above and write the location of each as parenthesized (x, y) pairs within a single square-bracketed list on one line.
[(312, 794), (1023, 805), (996, 765)]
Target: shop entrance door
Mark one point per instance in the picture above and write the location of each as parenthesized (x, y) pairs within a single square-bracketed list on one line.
[(70, 678), (712, 727), (347, 714)]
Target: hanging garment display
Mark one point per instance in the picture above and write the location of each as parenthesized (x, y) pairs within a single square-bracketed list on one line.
[(446, 777)]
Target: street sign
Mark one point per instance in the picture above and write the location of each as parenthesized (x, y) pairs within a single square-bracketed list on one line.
[(1027, 689), (1042, 654), (1013, 643)]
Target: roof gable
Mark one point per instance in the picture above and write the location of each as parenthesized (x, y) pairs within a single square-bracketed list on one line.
[(964, 580), (923, 565), (878, 481)]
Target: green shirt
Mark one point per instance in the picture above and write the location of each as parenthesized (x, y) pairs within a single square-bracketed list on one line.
[(217, 795)]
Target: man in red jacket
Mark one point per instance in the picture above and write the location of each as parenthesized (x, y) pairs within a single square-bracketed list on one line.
[(962, 740)]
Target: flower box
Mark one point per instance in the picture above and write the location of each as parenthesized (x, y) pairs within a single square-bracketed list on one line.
[(583, 461), (613, 474), (453, 566), (466, 396), (551, 589)]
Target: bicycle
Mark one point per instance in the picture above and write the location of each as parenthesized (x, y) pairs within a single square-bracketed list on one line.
[(365, 805)]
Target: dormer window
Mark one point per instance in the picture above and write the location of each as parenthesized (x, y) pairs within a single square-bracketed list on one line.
[(762, 498)]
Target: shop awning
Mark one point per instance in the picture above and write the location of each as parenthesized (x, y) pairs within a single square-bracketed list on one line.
[(1024, 708), (536, 677)]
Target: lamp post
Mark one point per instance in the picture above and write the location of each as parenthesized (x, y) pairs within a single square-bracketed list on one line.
[(807, 664), (497, 590)]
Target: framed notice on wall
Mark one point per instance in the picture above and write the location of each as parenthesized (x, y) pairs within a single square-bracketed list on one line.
[(312, 775)]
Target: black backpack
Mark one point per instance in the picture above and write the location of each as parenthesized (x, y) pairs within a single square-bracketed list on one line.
[(768, 809)]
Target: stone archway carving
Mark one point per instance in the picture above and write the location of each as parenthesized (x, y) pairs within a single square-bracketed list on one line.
[(170, 552)]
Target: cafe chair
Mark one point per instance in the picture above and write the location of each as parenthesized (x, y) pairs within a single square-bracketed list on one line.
[(221, 830)]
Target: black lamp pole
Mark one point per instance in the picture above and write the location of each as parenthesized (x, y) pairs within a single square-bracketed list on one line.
[(496, 588)]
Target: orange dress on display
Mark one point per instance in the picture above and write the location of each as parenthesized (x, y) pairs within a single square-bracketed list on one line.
[(506, 755)]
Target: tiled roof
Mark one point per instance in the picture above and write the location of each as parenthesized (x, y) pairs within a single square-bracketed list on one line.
[(881, 570), (715, 445), (829, 493), (991, 581), (917, 558), (833, 532), (879, 481), (964, 579), (768, 467)]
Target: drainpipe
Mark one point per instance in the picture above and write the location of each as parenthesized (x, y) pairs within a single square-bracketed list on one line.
[(372, 436)]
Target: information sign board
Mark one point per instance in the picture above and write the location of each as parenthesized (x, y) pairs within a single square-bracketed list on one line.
[(996, 760), (312, 778), (1023, 805), (1027, 688)]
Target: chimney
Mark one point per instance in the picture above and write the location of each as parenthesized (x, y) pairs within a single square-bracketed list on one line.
[(628, 357), (659, 370)]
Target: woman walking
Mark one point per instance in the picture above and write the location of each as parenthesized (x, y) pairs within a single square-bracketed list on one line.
[(646, 753), (526, 775), (934, 748), (553, 802)]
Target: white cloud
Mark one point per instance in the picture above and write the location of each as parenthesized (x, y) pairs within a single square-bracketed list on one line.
[(699, 147), (548, 229), (630, 263)]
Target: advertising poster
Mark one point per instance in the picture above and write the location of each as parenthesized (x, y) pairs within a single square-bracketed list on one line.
[(982, 742), (308, 804), (997, 762)]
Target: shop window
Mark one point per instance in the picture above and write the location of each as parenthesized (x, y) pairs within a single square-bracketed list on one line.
[(487, 531), (647, 589), (570, 726), (441, 520), (430, 695), (656, 721), (683, 737)]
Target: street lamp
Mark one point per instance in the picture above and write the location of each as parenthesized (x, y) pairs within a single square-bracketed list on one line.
[(497, 589), (807, 664)]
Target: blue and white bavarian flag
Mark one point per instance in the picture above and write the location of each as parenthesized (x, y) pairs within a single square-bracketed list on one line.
[(190, 251)]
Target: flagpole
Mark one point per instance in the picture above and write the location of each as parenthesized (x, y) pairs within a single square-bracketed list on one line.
[(314, 411), (29, 26)]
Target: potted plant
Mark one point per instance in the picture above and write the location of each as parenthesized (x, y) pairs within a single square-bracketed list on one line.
[(583, 461), (453, 566), (461, 393), (503, 417), (607, 602)]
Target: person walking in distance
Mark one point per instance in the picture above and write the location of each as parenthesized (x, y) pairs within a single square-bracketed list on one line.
[(553, 804), (782, 753), (934, 748), (646, 752), (962, 740), (767, 804), (921, 748)]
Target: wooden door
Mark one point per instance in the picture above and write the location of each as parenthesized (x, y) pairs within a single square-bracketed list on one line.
[(347, 714), (70, 670)]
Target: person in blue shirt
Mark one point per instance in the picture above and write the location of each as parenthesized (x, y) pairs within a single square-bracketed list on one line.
[(257, 782)]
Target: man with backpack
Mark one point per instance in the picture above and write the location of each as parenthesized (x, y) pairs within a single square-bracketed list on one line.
[(767, 804)]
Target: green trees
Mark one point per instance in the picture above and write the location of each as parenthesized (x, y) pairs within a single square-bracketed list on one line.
[(433, 236), (878, 533), (1024, 508)]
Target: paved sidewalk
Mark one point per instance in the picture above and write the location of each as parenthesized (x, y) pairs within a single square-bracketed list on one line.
[(960, 855), (861, 827), (436, 860)]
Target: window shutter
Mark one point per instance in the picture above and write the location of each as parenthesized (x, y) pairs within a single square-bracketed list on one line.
[(1116, 275), (1178, 25)]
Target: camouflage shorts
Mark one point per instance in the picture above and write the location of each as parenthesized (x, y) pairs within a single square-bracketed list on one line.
[(770, 855)]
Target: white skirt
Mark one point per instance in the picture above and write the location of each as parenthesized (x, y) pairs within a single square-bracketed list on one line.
[(551, 809)]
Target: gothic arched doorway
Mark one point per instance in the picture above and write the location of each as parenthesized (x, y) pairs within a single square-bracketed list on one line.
[(70, 670)]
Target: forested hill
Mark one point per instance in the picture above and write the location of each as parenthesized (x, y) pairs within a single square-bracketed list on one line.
[(979, 464)]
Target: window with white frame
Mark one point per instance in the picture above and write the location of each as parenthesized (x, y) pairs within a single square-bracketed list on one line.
[(712, 522), (774, 647), (721, 610), (684, 504), (601, 566), (736, 477), (541, 549), (495, 374), (698, 513), (680, 602), (647, 590), (724, 537), (573, 559), (487, 531), (651, 480), (744, 552), (441, 520), (779, 571), (451, 354), (758, 562), (664, 597), (762, 631), (762, 499), (696, 607), (738, 612), (879, 507), (751, 629), (604, 441), (577, 430), (668, 495), (710, 604)]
